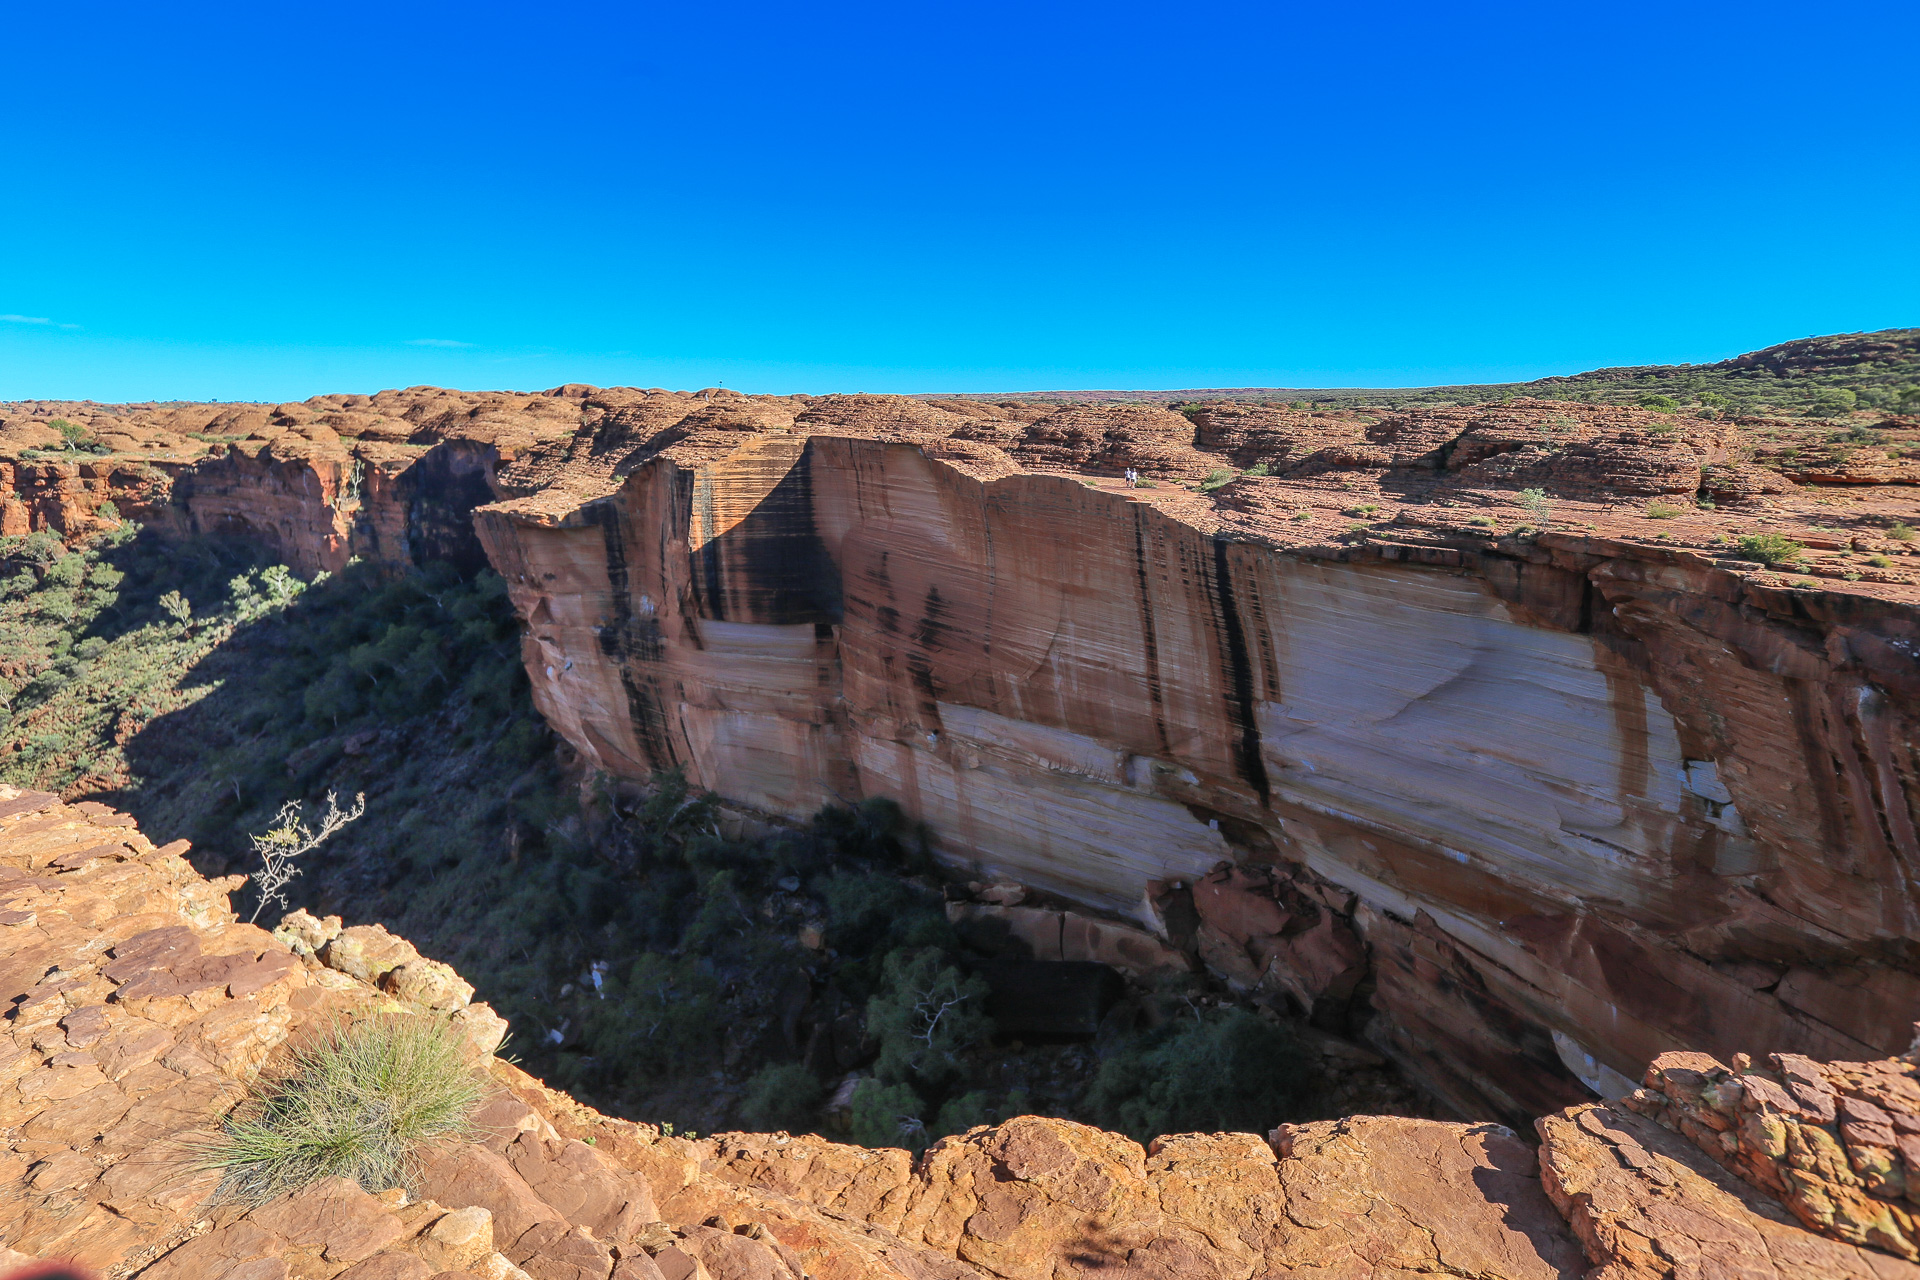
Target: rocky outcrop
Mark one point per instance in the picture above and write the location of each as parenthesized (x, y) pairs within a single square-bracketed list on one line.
[(1647, 1205), (1838, 1143), (140, 1012)]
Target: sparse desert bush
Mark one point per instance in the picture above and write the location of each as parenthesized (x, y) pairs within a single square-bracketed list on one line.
[(1302, 515), (356, 1103), (1657, 510), (1216, 478), (1482, 522), (1537, 504), (177, 607), (1659, 403), (1880, 562), (1772, 548), (1258, 469), (1901, 532), (288, 839)]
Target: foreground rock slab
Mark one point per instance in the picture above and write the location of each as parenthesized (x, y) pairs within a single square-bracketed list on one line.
[(1648, 1205), (139, 1012)]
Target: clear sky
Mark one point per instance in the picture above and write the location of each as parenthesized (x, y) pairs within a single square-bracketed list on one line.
[(271, 200)]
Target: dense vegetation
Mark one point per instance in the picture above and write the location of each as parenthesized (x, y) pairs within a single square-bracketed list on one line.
[(647, 959)]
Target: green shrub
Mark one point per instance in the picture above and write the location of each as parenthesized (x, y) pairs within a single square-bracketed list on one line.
[(1537, 505), (1880, 562), (1302, 515), (1664, 510), (1227, 1070), (1482, 522), (888, 1116), (783, 1096), (1258, 469), (1901, 532), (1659, 403), (358, 1104), (924, 1015), (1833, 402), (1772, 548), (1216, 478)]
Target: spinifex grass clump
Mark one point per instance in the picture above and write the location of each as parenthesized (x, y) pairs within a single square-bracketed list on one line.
[(356, 1103)]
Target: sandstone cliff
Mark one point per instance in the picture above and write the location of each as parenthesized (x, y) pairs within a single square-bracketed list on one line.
[(1559, 800), (140, 1011), (1352, 733)]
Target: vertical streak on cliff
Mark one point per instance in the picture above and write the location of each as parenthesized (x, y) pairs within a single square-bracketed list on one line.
[(1147, 636), (1240, 709), (709, 572), (634, 644), (1627, 701), (1269, 689)]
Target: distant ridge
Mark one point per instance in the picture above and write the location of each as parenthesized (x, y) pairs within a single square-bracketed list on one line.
[(1874, 367)]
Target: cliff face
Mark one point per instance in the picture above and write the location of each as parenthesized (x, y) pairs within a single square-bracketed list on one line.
[(1583, 800), (1348, 728)]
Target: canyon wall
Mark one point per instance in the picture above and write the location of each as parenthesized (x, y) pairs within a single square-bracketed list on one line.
[(1530, 804), (1582, 801)]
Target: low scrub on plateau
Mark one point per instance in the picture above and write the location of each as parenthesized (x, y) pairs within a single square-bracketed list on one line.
[(1772, 548)]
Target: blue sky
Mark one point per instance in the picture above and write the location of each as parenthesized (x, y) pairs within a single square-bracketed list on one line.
[(227, 201)]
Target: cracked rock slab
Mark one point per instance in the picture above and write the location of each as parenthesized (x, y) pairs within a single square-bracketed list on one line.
[(1648, 1205)]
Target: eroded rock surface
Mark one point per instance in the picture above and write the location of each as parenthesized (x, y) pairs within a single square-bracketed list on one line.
[(1552, 803), (1649, 1206), (139, 1012), (1549, 803)]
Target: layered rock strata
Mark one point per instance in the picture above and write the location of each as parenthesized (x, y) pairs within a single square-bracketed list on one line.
[(1350, 732), (1557, 803), (140, 1012)]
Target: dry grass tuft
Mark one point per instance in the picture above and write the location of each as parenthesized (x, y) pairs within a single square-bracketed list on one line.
[(356, 1103)]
